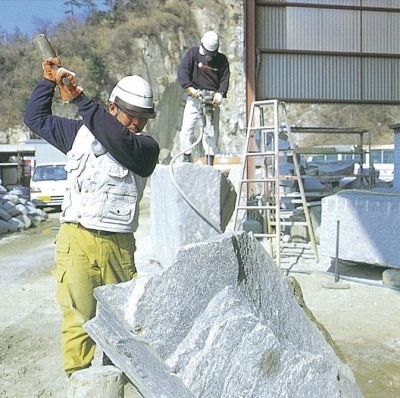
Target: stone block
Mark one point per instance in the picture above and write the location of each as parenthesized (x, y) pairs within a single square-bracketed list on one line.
[(10, 207), (315, 216), (16, 224), (11, 198), (96, 382), (5, 215), (391, 277), (224, 322), (25, 220), (21, 208), (368, 227), (201, 206), (3, 227)]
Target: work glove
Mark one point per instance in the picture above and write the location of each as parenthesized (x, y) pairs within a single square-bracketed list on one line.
[(193, 92), (67, 84), (217, 99), (50, 66)]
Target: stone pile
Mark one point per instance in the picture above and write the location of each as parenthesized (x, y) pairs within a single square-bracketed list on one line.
[(17, 212)]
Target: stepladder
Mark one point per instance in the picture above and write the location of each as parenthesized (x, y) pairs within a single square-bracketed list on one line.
[(270, 195)]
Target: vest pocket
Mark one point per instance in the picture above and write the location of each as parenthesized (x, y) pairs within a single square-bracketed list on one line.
[(120, 196), (118, 207), (76, 162)]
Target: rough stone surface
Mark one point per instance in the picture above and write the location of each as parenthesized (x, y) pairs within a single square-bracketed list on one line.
[(227, 324), (175, 221), (26, 222), (17, 212), (3, 227), (391, 277), (368, 227), (138, 360), (96, 382), (5, 215)]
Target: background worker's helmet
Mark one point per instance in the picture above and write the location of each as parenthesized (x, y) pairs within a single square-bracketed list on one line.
[(134, 96), (210, 41)]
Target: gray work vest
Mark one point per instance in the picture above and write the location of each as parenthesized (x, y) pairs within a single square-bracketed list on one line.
[(101, 194)]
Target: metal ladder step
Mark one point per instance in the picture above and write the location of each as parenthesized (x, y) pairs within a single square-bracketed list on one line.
[(266, 206)]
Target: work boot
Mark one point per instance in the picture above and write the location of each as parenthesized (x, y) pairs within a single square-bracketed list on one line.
[(210, 160), (187, 158)]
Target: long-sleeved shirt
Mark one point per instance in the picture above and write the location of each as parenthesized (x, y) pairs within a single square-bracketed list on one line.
[(195, 71), (137, 152)]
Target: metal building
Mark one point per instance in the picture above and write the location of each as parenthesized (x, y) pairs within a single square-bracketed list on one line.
[(344, 51)]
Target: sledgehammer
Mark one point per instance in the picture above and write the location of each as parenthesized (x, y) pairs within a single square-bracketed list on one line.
[(45, 51)]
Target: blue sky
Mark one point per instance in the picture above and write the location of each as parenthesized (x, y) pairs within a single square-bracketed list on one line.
[(22, 14)]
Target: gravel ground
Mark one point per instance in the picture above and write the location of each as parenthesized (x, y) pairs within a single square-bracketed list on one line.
[(361, 318)]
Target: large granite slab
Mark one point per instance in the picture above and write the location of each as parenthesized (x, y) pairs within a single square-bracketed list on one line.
[(223, 322), (368, 227)]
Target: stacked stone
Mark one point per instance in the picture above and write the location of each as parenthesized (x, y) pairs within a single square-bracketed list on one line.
[(17, 212)]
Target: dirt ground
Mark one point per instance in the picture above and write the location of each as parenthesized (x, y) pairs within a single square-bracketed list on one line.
[(363, 319)]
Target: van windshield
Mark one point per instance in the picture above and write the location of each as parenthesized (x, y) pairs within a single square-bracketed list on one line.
[(50, 172)]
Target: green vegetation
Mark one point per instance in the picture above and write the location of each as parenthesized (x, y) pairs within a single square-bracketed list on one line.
[(100, 49)]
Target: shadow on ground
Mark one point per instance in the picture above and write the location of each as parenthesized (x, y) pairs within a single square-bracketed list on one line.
[(356, 270)]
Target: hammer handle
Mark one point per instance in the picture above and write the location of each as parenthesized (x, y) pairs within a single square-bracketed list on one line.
[(45, 51)]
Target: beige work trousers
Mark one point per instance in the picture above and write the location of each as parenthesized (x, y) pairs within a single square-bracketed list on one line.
[(85, 260)]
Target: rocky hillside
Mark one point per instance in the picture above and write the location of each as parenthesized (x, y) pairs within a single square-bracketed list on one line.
[(159, 56), (149, 38)]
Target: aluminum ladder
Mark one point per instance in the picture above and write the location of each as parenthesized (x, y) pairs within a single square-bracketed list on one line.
[(260, 201)]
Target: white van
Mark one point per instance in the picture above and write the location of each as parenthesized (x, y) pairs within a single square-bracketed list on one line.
[(48, 184)]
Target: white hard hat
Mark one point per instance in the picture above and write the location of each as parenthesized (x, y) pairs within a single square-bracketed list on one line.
[(134, 96), (210, 41)]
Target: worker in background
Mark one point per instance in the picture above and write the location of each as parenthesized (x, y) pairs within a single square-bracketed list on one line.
[(109, 159), (202, 68)]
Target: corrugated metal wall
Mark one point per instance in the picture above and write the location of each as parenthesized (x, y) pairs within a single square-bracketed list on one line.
[(396, 172), (328, 50)]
